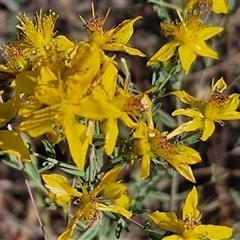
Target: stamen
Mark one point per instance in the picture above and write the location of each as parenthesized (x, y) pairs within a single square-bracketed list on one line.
[(82, 19), (181, 19), (93, 11), (106, 16)]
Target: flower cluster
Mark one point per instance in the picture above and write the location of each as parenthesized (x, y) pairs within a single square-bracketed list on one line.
[(72, 93)]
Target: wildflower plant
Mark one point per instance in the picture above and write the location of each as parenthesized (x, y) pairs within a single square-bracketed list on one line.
[(70, 94)]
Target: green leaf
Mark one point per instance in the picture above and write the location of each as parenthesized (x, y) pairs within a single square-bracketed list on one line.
[(121, 224), (137, 211), (74, 172), (14, 165), (49, 148), (46, 166), (32, 171), (164, 118), (90, 233), (191, 138)]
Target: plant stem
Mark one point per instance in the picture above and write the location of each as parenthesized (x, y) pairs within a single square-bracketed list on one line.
[(175, 180), (165, 4), (149, 231), (30, 192), (54, 161)]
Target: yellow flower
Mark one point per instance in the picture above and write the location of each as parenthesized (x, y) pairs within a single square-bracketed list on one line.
[(39, 42), (115, 39), (216, 5), (148, 141), (61, 98), (16, 61), (189, 227), (131, 107), (205, 113), (90, 202), (39, 34), (189, 36)]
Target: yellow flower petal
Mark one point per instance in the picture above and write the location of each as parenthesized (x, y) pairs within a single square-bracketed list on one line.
[(145, 166), (77, 141), (109, 177), (26, 82), (97, 105), (188, 112), (202, 49), (128, 121), (8, 110), (85, 64), (110, 129), (63, 43), (186, 127), (67, 233), (123, 201), (219, 6), (60, 200), (190, 205), (59, 185), (187, 56), (174, 237), (188, 99), (114, 208), (42, 122), (212, 232), (12, 143), (228, 116), (123, 32), (231, 103), (109, 79), (122, 47), (114, 190), (209, 32), (164, 53), (186, 171), (220, 85), (166, 221), (186, 154), (208, 130)]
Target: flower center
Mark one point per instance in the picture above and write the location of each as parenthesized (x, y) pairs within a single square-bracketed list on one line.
[(207, 3), (88, 205), (41, 33), (190, 223), (217, 98), (14, 55), (95, 27), (187, 30)]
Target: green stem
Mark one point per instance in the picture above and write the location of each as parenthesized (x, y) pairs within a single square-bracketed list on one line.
[(233, 82), (164, 4), (54, 161), (175, 180), (149, 231), (165, 81)]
